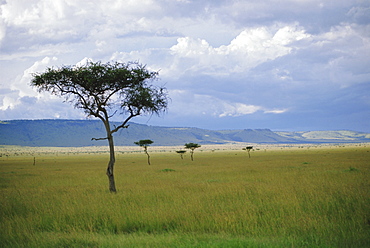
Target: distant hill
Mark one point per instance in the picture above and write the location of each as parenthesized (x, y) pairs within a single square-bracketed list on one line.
[(74, 133), (342, 136)]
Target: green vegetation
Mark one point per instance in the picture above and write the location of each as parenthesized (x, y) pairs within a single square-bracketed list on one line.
[(168, 170), (278, 198)]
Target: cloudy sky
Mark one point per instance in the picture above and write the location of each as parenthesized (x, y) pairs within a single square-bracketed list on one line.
[(293, 65)]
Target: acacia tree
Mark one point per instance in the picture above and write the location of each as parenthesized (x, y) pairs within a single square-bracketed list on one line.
[(248, 148), (192, 147), (145, 144), (103, 89), (181, 152)]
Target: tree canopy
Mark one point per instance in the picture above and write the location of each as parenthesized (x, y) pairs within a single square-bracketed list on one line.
[(192, 146), (98, 88), (144, 143)]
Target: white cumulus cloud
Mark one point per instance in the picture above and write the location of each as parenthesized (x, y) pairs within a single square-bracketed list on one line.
[(21, 89), (250, 48)]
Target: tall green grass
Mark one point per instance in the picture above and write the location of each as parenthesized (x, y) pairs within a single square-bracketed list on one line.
[(284, 198)]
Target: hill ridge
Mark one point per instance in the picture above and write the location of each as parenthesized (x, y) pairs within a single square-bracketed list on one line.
[(76, 133)]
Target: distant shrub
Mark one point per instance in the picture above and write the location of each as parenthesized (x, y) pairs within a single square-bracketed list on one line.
[(352, 169), (167, 170)]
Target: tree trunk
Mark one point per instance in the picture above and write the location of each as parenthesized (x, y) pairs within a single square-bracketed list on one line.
[(148, 157), (112, 159)]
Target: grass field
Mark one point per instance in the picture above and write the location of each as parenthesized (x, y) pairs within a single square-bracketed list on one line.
[(317, 197)]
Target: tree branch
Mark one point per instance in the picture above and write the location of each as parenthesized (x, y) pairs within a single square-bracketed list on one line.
[(99, 138), (132, 115), (113, 114), (110, 95), (123, 125)]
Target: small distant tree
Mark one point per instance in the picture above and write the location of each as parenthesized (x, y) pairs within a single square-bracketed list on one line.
[(192, 147), (181, 152), (145, 144), (248, 148)]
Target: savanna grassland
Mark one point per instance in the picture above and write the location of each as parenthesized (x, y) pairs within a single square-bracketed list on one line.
[(301, 197)]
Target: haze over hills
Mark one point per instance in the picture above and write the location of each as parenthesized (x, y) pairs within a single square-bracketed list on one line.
[(74, 133)]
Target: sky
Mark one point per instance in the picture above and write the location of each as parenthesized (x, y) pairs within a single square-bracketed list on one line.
[(285, 65)]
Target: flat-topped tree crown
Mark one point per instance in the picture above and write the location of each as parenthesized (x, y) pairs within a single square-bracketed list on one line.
[(103, 89), (97, 87), (192, 146), (144, 143)]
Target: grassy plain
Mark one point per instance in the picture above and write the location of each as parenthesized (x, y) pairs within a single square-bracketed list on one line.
[(301, 197)]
